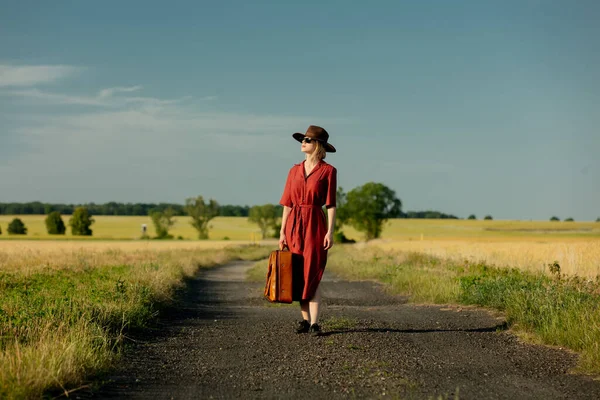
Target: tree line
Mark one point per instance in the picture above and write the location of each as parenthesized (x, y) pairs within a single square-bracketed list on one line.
[(112, 208), (366, 208), (144, 209)]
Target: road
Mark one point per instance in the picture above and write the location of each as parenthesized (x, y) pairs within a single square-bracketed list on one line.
[(224, 341)]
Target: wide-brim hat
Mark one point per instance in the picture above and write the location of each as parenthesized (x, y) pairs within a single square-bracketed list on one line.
[(317, 133)]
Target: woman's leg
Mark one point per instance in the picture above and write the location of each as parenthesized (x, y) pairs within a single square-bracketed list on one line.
[(314, 306), (304, 309)]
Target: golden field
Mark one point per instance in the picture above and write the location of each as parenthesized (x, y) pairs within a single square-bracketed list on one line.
[(32, 256), (238, 228), (575, 256), (529, 245), (129, 228)]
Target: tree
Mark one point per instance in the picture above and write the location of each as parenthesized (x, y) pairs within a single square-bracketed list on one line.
[(201, 214), (163, 221), (554, 218), (80, 222), (264, 216), (472, 216), (569, 220), (55, 224), (341, 217), (17, 227), (598, 219), (488, 218), (369, 206)]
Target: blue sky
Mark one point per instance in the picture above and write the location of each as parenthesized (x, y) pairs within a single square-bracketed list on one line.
[(459, 106)]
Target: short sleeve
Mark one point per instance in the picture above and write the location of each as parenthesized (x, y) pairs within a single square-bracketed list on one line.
[(286, 198), (330, 201)]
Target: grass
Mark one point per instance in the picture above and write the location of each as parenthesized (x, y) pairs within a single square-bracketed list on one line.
[(554, 309), (258, 272), (65, 319)]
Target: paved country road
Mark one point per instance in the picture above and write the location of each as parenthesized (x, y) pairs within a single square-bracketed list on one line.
[(225, 341)]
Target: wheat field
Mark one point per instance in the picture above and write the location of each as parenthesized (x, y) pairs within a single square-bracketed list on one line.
[(529, 245), (129, 228)]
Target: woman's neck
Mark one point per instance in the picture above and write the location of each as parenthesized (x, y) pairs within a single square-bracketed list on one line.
[(311, 160)]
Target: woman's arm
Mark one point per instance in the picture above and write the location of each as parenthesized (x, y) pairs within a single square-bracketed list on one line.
[(282, 240), (328, 242)]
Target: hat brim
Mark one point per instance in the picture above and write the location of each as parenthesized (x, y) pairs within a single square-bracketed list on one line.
[(328, 147)]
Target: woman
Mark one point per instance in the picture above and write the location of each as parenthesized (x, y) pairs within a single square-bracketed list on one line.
[(310, 185)]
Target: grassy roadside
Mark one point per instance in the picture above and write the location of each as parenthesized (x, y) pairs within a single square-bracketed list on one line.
[(61, 323), (553, 310)]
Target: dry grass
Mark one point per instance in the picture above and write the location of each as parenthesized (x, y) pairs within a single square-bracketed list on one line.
[(64, 307), (575, 256), (30, 256)]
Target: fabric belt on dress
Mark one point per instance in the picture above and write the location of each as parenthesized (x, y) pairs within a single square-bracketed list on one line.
[(298, 224)]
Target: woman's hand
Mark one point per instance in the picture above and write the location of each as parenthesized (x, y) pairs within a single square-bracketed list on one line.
[(328, 242), (282, 241)]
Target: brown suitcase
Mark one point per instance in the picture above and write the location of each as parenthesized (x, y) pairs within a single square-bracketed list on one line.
[(279, 277)]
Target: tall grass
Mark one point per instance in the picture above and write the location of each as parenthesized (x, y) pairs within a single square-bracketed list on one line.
[(62, 322), (555, 310)]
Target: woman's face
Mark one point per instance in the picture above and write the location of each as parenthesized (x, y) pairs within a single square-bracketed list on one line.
[(308, 146)]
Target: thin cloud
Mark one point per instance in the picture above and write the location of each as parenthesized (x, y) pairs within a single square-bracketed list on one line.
[(104, 98), (57, 98), (111, 91), (21, 75)]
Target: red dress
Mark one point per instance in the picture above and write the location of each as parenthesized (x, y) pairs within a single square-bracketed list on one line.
[(306, 225)]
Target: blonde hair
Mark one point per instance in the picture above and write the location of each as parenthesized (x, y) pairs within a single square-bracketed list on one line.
[(319, 153)]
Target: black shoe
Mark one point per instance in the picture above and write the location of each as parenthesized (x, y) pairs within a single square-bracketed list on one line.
[(315, 330), (303, 326)]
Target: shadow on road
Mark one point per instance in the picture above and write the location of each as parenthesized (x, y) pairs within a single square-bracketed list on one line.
[(500, 327)]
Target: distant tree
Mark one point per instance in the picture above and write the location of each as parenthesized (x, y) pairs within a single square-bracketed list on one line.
[(554, 218), (201, 214), (598, 219), (429, 214), (234, 211), (163, 221), (569, 220), (265, 217), (55, 224), (488, 217), (80, 222), (472, 216), (369, 206), (17, 227)]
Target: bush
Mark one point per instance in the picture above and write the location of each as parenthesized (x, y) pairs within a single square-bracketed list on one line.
[(569, 220), (17, 227), (554, 219), (472, 216), (55, 224), (488, 217), (80, 222)]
